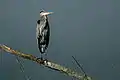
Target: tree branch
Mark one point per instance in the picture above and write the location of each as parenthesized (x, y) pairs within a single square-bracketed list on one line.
[(46, 63)]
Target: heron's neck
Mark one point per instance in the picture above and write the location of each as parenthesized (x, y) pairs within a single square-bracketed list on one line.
[(43, 17)]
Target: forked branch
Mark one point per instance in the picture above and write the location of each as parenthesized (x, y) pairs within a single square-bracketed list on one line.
[(46, 63)]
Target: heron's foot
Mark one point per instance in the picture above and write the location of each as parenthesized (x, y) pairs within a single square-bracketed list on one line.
[(46, 60)]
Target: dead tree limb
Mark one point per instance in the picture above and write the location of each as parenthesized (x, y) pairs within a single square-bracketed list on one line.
[(47, 63)]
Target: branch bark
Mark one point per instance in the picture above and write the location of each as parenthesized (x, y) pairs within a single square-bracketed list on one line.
[(46, 63)]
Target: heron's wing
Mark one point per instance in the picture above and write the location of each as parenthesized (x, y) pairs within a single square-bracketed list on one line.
[(39, 37), (42, 34), (37, 29), (47, 33)]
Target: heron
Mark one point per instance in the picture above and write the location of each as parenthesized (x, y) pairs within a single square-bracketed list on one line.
[(43, 32)]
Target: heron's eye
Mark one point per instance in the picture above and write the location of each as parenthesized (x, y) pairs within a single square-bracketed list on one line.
[(41, 11)]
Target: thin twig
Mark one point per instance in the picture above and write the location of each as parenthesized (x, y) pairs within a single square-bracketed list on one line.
[(46, 63), (85, 75), (22, 68)]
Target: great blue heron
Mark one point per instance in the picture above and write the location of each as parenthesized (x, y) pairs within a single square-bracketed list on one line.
[(43, 32)]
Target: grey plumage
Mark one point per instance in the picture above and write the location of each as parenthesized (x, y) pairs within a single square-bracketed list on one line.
[(43, 32)]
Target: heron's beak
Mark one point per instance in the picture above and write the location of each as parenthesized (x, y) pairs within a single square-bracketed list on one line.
[(47, 13)]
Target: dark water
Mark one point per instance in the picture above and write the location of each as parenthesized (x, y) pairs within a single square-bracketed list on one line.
[(88, 30)]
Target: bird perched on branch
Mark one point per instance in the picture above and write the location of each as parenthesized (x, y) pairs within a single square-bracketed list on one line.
[(43, 32)]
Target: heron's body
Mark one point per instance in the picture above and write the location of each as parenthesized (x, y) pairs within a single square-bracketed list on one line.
[(43, 33)]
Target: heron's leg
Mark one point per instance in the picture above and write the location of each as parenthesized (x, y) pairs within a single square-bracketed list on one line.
[(45, 59), (45, 56), (41, 58)]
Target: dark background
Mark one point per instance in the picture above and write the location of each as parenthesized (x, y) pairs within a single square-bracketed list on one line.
[(86, 29)]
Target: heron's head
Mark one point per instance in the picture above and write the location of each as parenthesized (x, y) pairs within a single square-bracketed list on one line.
[(44, 13)]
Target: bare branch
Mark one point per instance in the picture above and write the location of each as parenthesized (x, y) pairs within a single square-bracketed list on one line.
[(46, 63)]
